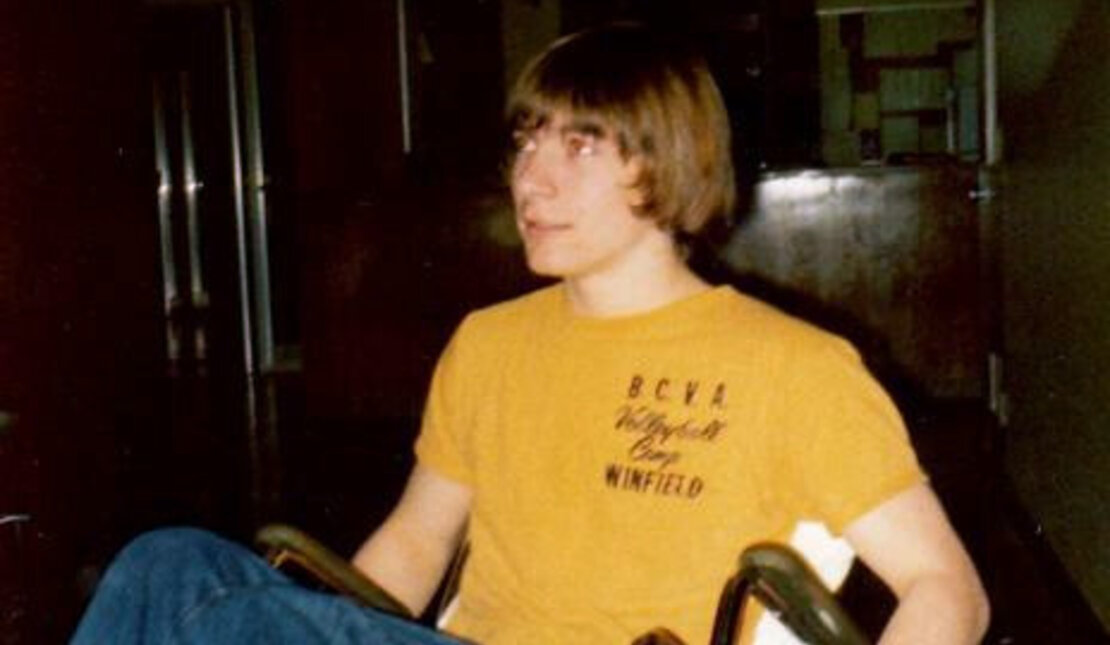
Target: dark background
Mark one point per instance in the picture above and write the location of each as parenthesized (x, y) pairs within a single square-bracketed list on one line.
[(376, 253)]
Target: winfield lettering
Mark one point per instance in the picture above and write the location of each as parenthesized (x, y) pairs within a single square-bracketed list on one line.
[(654, 482)]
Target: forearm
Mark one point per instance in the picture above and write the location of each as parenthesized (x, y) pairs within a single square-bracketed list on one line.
[(908, 542), (939, 610), (403, 564), (409, 553)]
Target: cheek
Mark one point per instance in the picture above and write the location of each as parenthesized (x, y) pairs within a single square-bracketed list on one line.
[(631, 176), (513, 177), (634, 196)]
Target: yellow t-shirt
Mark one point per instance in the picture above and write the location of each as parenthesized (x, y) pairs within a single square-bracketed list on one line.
[(620, 465)]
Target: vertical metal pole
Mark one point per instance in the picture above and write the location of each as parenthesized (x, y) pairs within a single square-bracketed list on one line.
[(256, 192), (403, 72), (192, 186), (244, 264), (264, 433), (991, 149), (165, 230), (951, 116), (246, 322), (197, 294), (989, 228)]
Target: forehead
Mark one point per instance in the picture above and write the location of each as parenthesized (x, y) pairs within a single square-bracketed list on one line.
[(559, 120)]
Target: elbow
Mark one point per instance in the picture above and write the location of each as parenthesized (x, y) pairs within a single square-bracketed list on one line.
[(981, 608), (941, 608), (969, 604), (966, 585), (972, 607)]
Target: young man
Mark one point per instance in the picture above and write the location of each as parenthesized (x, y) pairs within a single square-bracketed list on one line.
[(613, 442), (610, 444)]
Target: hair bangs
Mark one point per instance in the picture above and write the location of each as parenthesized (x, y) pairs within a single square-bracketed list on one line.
[(655, 97)]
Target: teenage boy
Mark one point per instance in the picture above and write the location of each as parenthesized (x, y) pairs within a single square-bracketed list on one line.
[(608, 445)]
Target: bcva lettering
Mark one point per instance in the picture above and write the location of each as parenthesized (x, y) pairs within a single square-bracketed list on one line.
[(689, 392)]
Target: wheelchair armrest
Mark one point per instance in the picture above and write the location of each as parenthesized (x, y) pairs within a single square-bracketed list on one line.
[(285, 543), (659, 636), (792, 591), (788, 588)]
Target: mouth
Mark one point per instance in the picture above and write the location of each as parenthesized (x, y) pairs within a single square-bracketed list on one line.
[(532, 228)]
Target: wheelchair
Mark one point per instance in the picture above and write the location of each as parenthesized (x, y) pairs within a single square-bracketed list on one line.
[(774, 574)]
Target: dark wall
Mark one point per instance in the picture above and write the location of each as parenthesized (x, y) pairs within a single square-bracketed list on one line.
[(1055, 113), (379, 229), (888, 257), (392, 246), (79, 332)]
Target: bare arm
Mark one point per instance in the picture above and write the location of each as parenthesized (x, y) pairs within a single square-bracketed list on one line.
[(409, 553), (908, 542)]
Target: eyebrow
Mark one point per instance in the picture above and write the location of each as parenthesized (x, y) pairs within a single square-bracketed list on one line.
[(530, 122), (588, 127)]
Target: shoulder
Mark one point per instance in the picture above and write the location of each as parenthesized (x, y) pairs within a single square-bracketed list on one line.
[(540, 300), (481, 342), (517, 314), (778, 331)]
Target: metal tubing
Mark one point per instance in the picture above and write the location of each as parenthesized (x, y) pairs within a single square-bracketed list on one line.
[(403, 72), (844, 7), (191, 184), (165, 199), (992, 152), (246, 323), (730, 610), (258, 227), (14, 518), (165, 223)]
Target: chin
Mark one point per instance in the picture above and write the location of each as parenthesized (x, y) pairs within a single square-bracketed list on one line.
[(544, 271), (548, 267)]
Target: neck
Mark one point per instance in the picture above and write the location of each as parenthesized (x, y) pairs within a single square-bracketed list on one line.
[(633, 288)]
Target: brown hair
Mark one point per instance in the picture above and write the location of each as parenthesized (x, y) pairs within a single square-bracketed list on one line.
[(659, 101)]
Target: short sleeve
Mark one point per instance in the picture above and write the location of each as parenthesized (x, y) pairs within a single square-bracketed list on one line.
[(847, 448), (445, 434)]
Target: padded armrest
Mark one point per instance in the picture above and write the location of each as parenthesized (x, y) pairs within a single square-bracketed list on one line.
[(659, 636), (783, 583), (790, 589), (285, 543)]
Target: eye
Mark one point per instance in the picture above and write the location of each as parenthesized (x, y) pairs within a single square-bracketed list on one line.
[(578, 144), (524, 141)]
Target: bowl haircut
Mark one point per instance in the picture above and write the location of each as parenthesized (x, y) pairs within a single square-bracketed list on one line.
[(656, 97)]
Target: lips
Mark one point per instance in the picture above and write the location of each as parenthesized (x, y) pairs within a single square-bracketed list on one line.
[(545, 227), (532, 228)]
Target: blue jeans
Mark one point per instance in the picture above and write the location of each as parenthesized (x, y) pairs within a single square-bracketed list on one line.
[(188, 586)]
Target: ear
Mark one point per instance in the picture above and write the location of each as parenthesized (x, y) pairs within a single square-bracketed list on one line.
[(631, 177)]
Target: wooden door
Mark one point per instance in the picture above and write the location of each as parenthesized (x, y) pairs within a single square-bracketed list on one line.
[(889, 257)]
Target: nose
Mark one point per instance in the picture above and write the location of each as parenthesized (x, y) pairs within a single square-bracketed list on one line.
[(532, 172)]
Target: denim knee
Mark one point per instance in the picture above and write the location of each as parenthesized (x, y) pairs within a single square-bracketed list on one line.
[(161, 546), (163, 577)]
